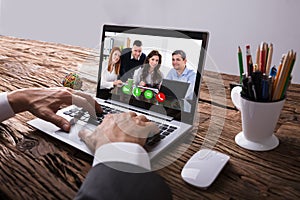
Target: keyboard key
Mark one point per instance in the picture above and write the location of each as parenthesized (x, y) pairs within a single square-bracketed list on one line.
[(94, 121), (67, 112), (173, 128), (163, 128), (166, 133), (151, 143)]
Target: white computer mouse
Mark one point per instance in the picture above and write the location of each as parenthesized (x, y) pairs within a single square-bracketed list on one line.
[(203, 167)]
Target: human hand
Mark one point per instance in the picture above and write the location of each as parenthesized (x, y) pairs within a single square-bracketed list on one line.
[(117, 82), (142, 83), (45, 102), (124, 127)]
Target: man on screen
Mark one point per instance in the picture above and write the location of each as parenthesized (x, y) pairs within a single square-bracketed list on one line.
[(131, 59), (181, 73)]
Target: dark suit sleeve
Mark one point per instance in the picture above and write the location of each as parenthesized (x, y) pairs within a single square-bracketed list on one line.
[(104, 181), (122, 67), (125, 56), (143, 58)]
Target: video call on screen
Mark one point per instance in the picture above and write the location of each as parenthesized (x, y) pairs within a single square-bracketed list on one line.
[(154, 92)]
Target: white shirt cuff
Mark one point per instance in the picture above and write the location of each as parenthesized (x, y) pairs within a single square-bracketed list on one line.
[(5, 109), (125, 152)]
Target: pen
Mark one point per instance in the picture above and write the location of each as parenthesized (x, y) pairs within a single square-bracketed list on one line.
[(240, 58), (255, 67), (248, 57), (271, 81), (265, 88), (254, 92), (250, 88), (250, 67), (256, 79), (273, 71), (245, 92)]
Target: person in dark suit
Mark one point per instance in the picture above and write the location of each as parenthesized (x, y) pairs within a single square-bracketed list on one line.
[(121, 167), (105, 182), (131, 59)]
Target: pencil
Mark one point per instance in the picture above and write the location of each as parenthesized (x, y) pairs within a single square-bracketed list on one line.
[(257, 57), (278, 74), (285, 75), (269, 59), (286, 83), (240, 58), (266, 54), (277, 92), (262, 58)]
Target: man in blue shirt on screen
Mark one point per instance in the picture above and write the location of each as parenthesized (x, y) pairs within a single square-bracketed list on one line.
[(181, 73)]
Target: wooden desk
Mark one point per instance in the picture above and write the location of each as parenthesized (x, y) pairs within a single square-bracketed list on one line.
[(37, 166)]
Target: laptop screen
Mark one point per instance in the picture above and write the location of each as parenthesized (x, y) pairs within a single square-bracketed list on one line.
[(153, 69)]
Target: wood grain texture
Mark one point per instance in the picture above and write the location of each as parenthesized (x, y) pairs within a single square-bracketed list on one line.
[(36, 166)]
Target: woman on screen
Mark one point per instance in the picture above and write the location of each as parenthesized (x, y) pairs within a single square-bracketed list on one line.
[(149, 75), (110, 73)]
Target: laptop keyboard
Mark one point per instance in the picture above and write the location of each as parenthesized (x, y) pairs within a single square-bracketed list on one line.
[(78, 114)]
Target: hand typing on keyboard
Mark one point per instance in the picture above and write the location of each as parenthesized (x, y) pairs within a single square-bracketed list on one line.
[(123, 127), (45, 102)]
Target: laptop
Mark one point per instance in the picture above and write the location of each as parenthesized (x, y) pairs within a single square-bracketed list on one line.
[(173, 120), (173, 89)]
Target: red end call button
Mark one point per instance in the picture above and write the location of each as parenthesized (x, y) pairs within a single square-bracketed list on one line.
[(160, 97)]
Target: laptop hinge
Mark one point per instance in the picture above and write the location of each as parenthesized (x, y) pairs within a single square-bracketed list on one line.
[(140, 110)]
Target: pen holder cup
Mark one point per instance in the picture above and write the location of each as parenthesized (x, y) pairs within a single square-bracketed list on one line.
[(259, 120)]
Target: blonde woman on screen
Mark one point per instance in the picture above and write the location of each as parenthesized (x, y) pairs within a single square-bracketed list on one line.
[(110, 73)]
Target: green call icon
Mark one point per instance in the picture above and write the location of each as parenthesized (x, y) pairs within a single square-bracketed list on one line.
[(126, 89), (148, 94), (136, 92)]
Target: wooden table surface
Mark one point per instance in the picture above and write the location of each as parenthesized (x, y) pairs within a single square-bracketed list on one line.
[(37, 166)]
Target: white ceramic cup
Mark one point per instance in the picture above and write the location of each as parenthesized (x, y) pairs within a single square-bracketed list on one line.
[(259, 120)]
